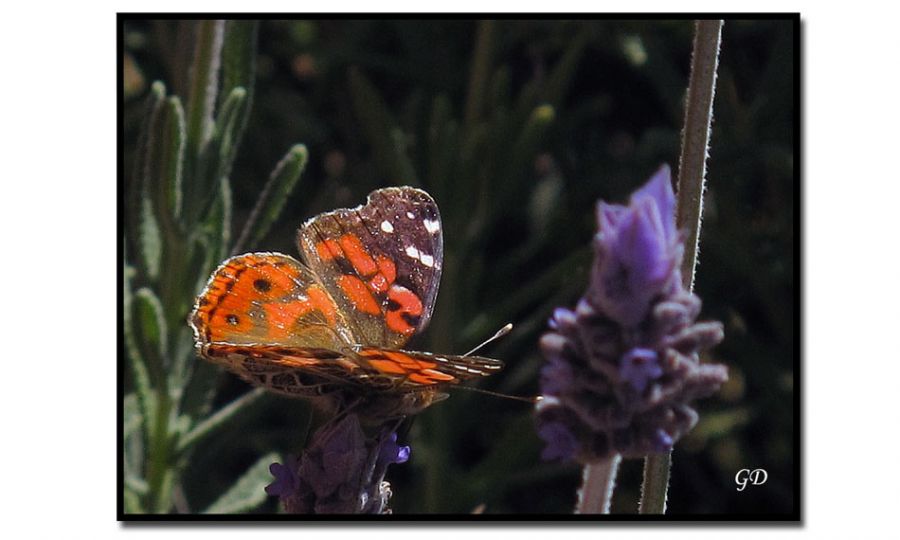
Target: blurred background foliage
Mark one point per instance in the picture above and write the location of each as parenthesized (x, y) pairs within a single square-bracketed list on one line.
[(516, 127)]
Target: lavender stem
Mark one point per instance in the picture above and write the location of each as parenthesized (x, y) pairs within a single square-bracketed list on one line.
[(691, 183), (599, 480)]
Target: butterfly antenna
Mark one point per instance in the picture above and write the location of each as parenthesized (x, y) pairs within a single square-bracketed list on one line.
[(499, 334), (531, 400)]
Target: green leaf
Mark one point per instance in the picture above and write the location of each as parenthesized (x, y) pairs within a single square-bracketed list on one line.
[(139, 372), (133, 436), (132, 502), (149, 242), (249, 491), (274, 195), (204, 83), (381, 130), (239, 65), (222, 148), (561, 77), (163, 167), (131, 415), (154, 102), (140, 222), (220, 418), (151, 333)]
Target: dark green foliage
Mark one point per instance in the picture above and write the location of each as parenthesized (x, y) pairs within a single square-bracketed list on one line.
[(178, 228), (516, 128)]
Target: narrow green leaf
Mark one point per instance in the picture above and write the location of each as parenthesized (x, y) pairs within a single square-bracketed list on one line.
[(149, 242), (136, 485), (221, 219), (132, 502), (381, 130), (203, 89), (239, 67), (274, 195), (131, 415), (481, 63), (138, 367), (561, 76), (140, 223), (174, 157), (226, 136), (162, 193), (151, 333), (134, 213), (220, 418), (249, 491), (204, 83)]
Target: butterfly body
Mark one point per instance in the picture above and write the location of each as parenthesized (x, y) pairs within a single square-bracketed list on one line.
[(332, 330)]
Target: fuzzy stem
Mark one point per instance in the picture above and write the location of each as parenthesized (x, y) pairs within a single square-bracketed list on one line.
[(691, 180), (695, 141), (598, 482)]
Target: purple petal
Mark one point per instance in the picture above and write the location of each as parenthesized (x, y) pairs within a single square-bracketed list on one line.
[(561, 444), (659, 189), (639, 367)]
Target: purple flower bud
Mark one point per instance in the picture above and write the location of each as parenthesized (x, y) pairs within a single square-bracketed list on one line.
[(340, 472), (623, 368), (639, 367)]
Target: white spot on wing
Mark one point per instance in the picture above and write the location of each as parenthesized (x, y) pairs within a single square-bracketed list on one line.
[(387, 227), (424, 258), (410, 215), (432, 226)]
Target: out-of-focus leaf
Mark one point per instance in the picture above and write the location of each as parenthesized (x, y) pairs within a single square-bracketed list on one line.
[(139, 372), (239, 66), (132, 502), (274, 195), (561, 77), (381, 130), (151, 333), (443, 147), (131, 413), (220, 418), (481, 63), (522, 153), (139, 220), (163, 167), (249, 491), (149, 241)]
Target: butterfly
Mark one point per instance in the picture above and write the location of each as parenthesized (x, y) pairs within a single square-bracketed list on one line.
[(331, 329)]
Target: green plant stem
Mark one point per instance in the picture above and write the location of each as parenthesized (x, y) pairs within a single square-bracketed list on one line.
[(691, 183), (598, 482)]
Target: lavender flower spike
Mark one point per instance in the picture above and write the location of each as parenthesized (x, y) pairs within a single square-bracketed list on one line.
[(623, 368), (340, 472)]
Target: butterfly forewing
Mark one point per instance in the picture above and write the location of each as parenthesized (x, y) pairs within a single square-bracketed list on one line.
[(380, 261), (268, 299)]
